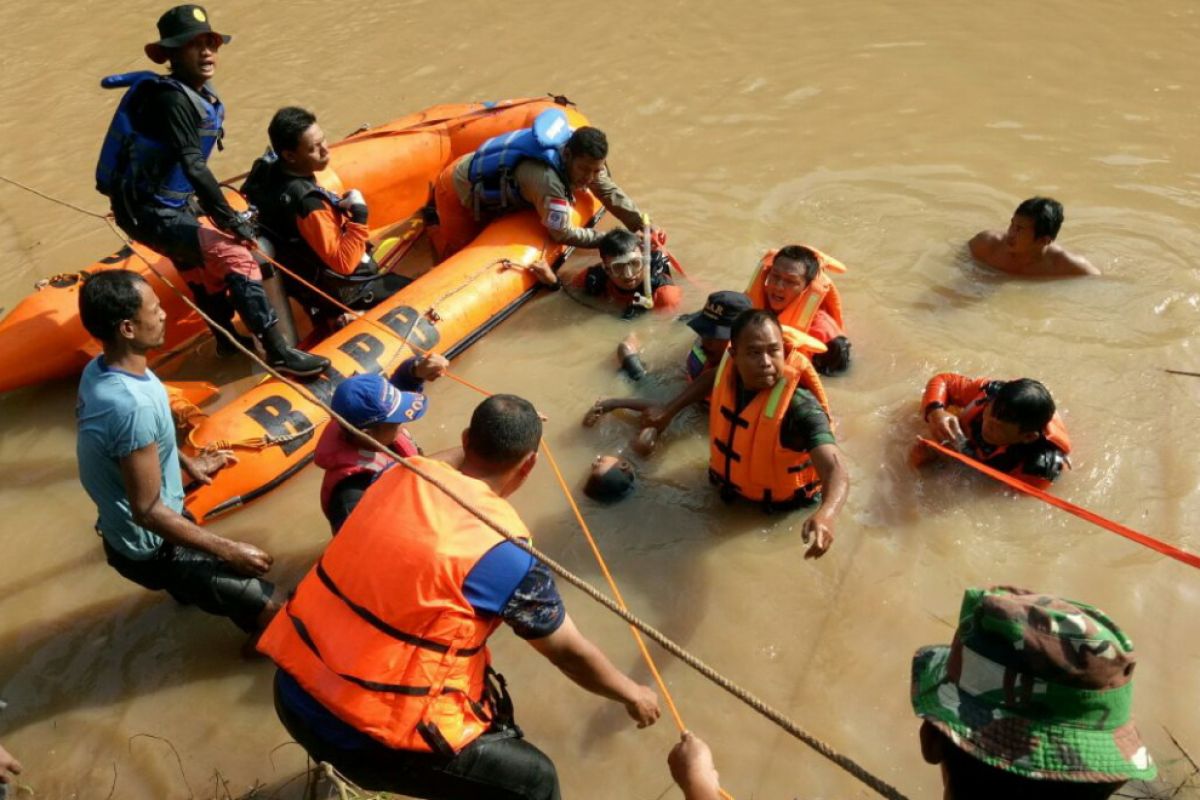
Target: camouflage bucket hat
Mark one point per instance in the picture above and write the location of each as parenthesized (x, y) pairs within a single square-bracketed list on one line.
[(1035, 685)]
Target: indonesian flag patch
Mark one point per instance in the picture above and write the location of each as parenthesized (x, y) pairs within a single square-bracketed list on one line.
[(558, 214)]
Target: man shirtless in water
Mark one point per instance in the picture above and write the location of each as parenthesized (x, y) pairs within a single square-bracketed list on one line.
[(1027, 248)]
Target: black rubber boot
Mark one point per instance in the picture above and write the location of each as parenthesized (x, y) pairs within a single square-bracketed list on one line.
[(218, 308), (289, 359)]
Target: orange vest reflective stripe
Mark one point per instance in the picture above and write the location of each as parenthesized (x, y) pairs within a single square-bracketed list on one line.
[(745, 453), (820, 293), (379, 631), (1055, 431)]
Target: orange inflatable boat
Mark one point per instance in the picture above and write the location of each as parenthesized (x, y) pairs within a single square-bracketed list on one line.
[(42, 338), (274, 428)]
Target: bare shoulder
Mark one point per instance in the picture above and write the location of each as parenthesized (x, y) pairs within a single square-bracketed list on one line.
[(1064, 262), (983, 244)]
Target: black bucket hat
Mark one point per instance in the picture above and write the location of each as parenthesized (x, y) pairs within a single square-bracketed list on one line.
[(179, 26)]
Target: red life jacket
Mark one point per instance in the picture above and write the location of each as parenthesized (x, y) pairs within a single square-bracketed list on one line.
[(341, 456)]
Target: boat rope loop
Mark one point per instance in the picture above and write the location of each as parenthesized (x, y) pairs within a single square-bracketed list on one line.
[(618, 608)]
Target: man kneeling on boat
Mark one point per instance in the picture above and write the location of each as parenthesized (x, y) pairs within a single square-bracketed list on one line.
[(154, 168), (1011, 426), (539, 167), (379, 408), (384, 667), (770, 439), (317, 234)]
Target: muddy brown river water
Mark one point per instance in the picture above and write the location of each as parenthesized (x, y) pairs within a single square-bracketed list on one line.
[(885, 133)]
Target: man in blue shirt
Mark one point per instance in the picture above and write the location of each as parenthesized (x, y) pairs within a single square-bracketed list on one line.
[(131, 467)]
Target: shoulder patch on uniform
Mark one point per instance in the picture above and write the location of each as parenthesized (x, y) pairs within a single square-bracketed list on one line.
[(558, 214)]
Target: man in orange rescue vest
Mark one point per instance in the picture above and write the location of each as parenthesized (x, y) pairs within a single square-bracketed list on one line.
[(1011, 426), (384, 665), (794, 282), (769, 434)]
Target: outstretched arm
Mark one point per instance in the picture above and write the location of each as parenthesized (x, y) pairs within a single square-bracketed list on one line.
[(619, 204), (835, 485), (659, 417), (584, 663)]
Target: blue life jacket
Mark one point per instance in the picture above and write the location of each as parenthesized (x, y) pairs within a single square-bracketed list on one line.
[(492, 171), (131, 160)]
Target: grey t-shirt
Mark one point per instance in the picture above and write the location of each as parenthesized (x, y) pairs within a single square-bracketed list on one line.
[(117, 413)]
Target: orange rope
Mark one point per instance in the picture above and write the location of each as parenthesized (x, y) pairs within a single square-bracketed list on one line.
[(1143, 539), (608, 577)]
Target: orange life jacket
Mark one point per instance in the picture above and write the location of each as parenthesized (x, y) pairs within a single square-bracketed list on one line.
[(1055, 432), (380, 632), (820, 293), (745, 453)]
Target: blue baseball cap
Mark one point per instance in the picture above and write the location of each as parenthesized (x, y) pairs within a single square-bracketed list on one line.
[(366, 400)]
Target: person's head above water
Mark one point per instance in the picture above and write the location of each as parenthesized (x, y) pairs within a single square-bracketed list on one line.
[(790, 273), (1035, 224), (298, 141), (756, 347), (500, 446), (1031, 700), (376, 407), (713, 323), (610, 479), (1018, 413), (187, 40), (586, 152), (120, 309), (622, 257)]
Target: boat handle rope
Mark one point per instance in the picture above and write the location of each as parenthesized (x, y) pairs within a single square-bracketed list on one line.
[(1121, 530), (764, 709)]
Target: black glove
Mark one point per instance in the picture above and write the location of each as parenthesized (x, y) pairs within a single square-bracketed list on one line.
[(241, 225)]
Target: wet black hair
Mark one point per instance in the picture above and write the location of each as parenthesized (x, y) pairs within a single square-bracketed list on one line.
[(107, 299), (753, 318), (803, 256), (613, 485), (1024, 402), (504, 429), (1046, 213), (970, 777), (836, 358), (588, 142), (617, 242), (287, 126)]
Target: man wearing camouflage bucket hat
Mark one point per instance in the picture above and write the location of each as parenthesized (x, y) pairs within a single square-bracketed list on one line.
[(1032, 700)]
